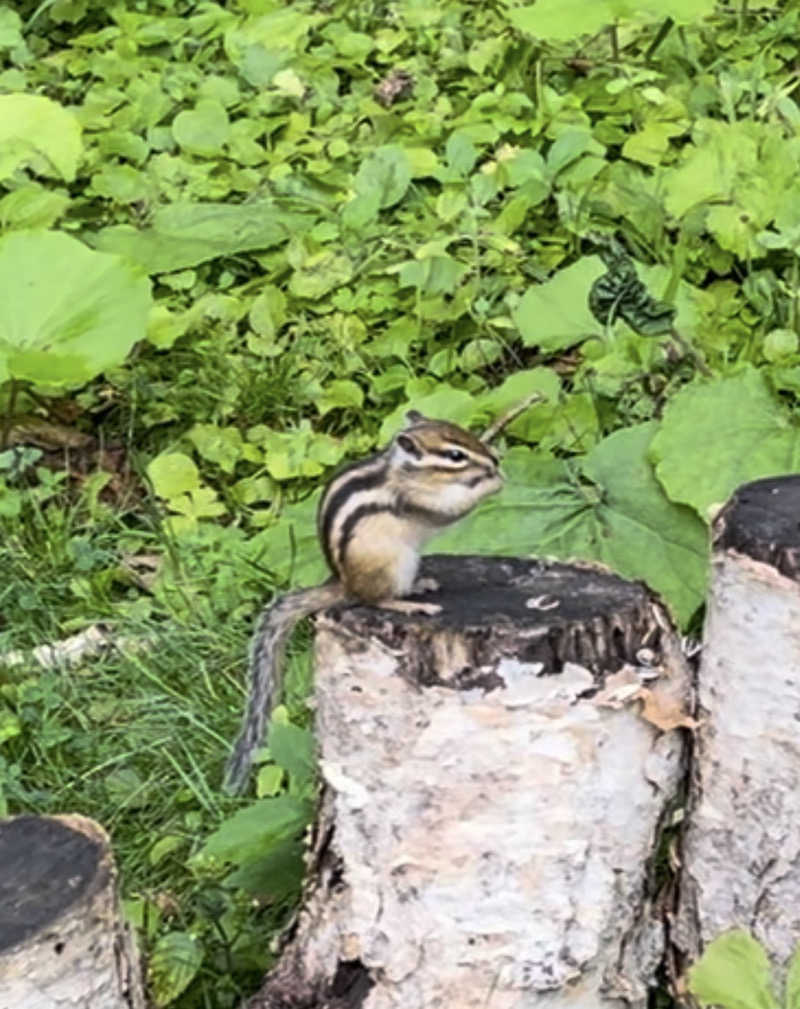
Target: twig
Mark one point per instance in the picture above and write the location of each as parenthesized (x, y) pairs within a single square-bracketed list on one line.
[(505, 419)]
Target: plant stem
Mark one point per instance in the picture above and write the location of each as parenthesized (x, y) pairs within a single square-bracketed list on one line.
[(8, 417), (614, 39)]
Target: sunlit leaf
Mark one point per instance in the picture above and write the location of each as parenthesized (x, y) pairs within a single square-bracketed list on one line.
[(66, 313), (733, 972), (39, 133), (719, 434)]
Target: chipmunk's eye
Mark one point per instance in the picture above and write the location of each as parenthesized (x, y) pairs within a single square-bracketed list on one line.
[(456, 455)]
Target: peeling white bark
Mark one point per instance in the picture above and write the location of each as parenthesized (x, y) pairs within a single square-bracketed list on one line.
[(742, 846), (489, 849)]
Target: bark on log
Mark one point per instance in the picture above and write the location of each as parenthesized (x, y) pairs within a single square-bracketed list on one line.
[(741, 859), (492, 796), (62, 941)]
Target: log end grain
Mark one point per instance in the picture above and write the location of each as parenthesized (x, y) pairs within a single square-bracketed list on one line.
[(45, 867), (762, 521), (63, 941), (542, 613)]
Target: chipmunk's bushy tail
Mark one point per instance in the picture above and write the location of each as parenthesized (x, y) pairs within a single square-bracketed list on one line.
[(267, 651)]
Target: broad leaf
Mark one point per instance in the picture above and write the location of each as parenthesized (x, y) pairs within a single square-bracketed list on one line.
[(293, 750), (185, 234), (38, 133), (567, 19), (204, 129), (387, 173), (556, 314), (173, 473), (720, 434), (733, 972), (66, 313), (256, 826)]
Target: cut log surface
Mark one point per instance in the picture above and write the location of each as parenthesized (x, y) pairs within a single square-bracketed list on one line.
[(492, 796), (62, 941), (742, 846)]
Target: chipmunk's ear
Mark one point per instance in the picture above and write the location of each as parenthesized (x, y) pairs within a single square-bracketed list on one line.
[(414, 417), (408, 445)]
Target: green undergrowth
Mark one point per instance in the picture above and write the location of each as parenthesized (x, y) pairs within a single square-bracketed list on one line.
[(237, 242)]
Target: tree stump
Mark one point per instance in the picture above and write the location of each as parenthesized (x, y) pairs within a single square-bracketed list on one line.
[(741, 859), (491, 796), (63, 943)]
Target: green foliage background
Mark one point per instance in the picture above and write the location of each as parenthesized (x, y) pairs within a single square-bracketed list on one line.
[(321, 260)]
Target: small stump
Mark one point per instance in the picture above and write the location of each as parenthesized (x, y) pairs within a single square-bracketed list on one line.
[(492, 795), (63, 943), (742, 846)]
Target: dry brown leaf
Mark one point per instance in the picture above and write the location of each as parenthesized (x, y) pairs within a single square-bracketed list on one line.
[(665, 711)]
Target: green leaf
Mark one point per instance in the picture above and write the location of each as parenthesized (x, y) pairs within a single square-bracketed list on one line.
[(779, 343), (733, 972), (461, 153), (516, 388), (256, 826), (268, 312), (164, 847), (203, 130), (38, 133), (556, 314), (720, 434), (561, 19), (10, 726), (66, 313), (290, 547), (387, 173), (164, 328), (433, 275), (221, 445), (637, 531), (174, 961), (447, 403), (10, 29), (31, 206), (567, 19), (293, 750), (173, 473), (276, 873), (341, 392), (120, 183), (185, 234), (649, 144), (269, 781), (321, 274), (200, 503)]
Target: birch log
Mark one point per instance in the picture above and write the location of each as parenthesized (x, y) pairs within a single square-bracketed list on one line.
[(63, 944), (742, 846), (492, 796)]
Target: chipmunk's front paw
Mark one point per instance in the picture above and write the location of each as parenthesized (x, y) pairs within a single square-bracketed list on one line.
[(423, 585)]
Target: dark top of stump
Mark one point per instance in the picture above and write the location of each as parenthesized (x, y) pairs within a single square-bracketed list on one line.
[(599, 620), (45, 866), (762, 521)]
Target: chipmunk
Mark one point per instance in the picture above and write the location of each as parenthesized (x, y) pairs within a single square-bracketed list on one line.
[(373, 519)]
